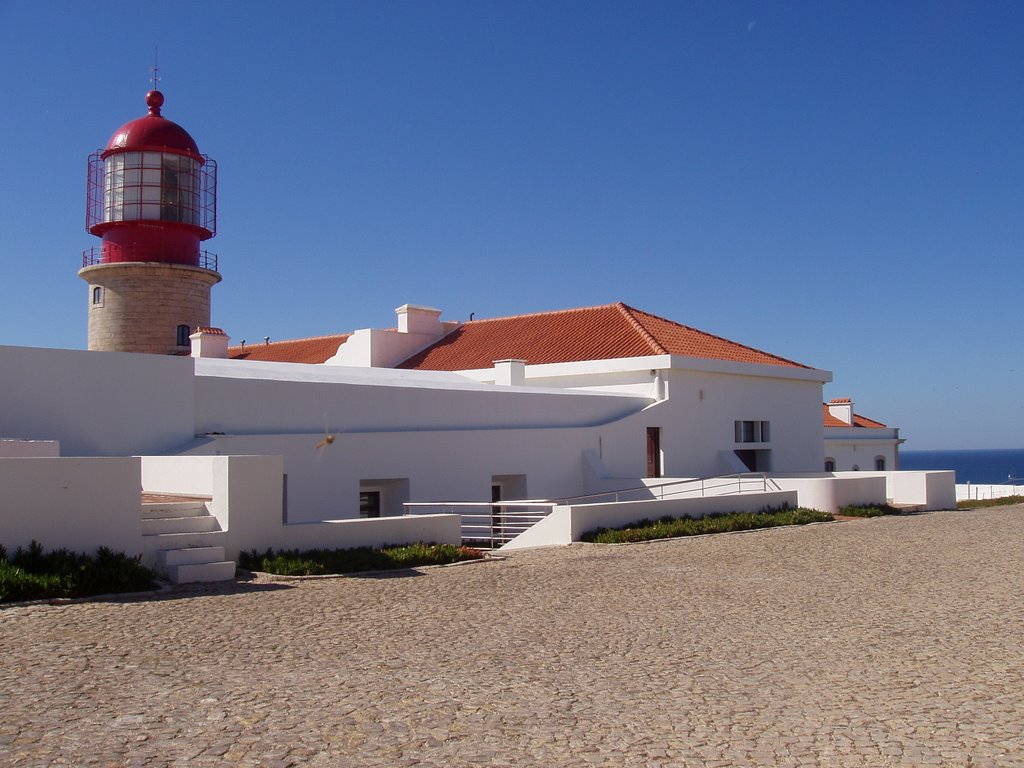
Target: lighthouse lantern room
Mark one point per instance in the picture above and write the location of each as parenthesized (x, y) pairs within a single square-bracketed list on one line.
[(152, 198)]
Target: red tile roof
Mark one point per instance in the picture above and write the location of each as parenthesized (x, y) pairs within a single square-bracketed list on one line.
[(858, 420), (314, 350), (571, 335)]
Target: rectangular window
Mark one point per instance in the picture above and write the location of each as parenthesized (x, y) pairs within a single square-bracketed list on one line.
[(752, 431)]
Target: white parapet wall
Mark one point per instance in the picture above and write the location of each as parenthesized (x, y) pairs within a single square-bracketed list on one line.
[(83, 503), (25, 449), (248, 501), (965, 491), (567, 524), (830, 493), (78, 503)]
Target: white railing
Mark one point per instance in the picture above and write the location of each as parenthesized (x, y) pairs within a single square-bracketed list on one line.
[(495, 524), (718, 485)]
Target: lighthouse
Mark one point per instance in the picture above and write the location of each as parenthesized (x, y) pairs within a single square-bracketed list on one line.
[(152, 198)]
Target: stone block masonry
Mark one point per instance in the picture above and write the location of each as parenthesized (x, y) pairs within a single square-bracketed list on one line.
[(143, 303)]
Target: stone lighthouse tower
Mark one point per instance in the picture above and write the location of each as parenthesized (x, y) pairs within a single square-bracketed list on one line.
[(152, 198)]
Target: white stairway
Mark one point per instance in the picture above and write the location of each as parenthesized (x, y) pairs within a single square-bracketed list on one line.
[(188, 543)]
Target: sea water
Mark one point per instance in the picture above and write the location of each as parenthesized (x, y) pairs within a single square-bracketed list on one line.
[(979, 467)]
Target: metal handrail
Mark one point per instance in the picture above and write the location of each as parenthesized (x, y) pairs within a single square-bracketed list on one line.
[(766, 483), (96, 255), (504, 520)]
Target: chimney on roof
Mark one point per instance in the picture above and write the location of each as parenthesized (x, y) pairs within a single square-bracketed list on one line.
[(842, 409), (510, 373), (209, 342), (414, 319)]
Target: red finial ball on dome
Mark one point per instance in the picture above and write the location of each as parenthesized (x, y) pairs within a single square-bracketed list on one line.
[(154, 100)]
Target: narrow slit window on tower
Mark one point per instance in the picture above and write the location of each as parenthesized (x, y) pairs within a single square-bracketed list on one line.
[(97, 296), (183, 333)]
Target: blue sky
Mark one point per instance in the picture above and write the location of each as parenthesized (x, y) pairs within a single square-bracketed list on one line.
[(837, 183)]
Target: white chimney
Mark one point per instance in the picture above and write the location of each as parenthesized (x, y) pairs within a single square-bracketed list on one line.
[(209, 342), (414, 319), (842, 409), (510, 373)]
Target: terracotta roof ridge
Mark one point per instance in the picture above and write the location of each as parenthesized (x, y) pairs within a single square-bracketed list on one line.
[(873, 422), (720, 338), (291, 341), (545, 313), (627, 312)]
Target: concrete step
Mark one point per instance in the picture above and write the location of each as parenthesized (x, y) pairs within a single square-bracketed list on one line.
[(168, 558), (162, 525), (174, 509), (187, 573), (169, 541)]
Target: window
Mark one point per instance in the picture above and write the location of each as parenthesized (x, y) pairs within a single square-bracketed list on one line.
[(752, 431), (369, 503), (880, 463), (830, 465), (97, 296), (151, 185), (183, 332)]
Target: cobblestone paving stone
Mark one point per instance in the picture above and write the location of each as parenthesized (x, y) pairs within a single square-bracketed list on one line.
[(885, 642)]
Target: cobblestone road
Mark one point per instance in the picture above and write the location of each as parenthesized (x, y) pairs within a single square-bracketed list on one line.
[(894, 641)]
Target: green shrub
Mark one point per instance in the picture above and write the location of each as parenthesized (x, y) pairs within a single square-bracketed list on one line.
[(670, 527), (31, 574), (868, 510), (998, 502), (315, 562)]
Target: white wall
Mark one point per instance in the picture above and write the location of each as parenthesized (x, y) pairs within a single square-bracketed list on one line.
[(859, 446), (255, 406), (567, 523), (85, 503), (10, 449), (97, 403), (966, 491), (78, 503), (830, 493)]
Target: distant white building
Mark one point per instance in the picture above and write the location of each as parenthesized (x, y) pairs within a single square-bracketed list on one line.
[(857, 443)]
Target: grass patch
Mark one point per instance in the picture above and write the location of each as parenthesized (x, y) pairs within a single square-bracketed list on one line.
[(670, 527), (32, 574), (999, 502), (868, 510), (318, 562)]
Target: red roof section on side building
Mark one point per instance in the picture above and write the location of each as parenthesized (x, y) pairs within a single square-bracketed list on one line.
[(313, 350), (858, 420), (571, 335)]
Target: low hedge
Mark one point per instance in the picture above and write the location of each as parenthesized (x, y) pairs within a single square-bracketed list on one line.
[(997, 502), (32, 574), (671, 527), (318, 562), (868, 510)]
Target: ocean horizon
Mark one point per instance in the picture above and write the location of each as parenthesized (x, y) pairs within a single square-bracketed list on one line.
[(994, 466)]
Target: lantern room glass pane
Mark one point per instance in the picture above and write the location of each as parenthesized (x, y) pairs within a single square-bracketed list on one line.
[(153, 186)]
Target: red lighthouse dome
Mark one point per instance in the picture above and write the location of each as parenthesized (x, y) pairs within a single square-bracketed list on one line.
[(153, 132), (152, 194)]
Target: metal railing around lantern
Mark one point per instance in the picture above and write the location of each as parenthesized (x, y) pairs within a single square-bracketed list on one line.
[(107, 255)]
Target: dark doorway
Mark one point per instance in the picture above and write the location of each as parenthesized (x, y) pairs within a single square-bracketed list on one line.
[(654, 452), (369, 503)]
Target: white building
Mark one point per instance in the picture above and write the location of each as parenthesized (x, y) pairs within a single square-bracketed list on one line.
[(328, 441), (854, 442)]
